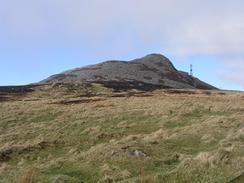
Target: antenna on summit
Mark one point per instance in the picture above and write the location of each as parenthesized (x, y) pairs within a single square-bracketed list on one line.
[(191, 70)]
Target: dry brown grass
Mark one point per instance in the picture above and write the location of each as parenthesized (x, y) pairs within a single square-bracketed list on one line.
[(28, 176), (147, 179), (203, 130), (144, 178)]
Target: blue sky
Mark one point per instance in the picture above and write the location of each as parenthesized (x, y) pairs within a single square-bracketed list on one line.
[(42, 37)]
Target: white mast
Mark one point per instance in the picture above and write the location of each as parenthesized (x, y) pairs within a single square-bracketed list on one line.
[(191, 70)]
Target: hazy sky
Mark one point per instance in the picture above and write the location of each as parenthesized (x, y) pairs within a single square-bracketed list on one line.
[(43, 37)]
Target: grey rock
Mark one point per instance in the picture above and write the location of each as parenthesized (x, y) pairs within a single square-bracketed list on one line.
[(136, 153)]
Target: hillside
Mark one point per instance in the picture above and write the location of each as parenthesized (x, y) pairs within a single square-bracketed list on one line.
[(151, 72), (83, 132)]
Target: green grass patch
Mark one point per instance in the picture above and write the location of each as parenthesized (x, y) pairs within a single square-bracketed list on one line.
[(83, 173)]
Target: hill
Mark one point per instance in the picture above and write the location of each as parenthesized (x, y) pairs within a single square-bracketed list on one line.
[(85, 132), (151, 72)]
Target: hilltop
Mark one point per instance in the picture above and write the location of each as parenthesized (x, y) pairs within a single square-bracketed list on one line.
[(151, 72)]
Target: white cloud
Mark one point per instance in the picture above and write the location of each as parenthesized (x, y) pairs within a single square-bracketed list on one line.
[(187, 27)]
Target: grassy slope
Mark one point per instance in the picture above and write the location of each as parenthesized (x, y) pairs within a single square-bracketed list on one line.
[(179, 137)]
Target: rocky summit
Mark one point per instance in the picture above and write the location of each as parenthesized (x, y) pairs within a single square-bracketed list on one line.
[(151, 72)]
